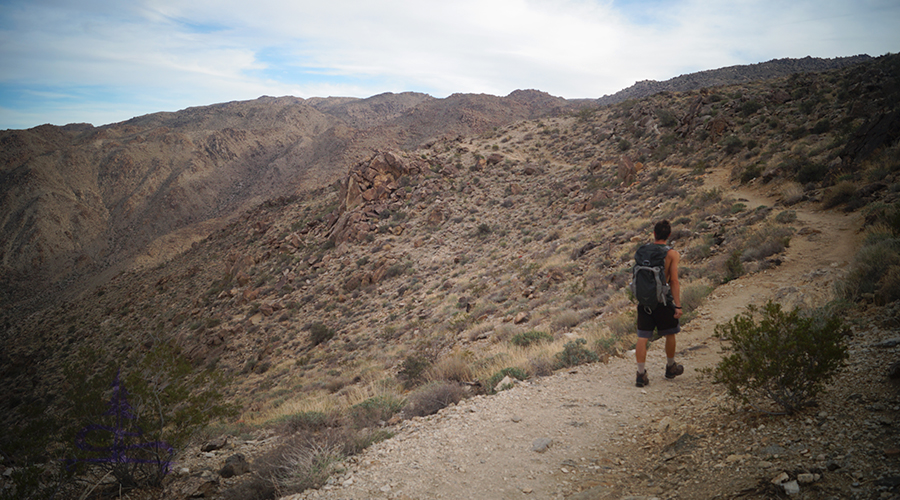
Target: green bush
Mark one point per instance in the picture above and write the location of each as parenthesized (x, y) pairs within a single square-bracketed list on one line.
[(516, 373), (116, 418), (786, 217), (839, 194), (783, 359), (873, 273), (575, 353), (319, 333), (734, 269), (412, 370), (525, 339), (375, 410)]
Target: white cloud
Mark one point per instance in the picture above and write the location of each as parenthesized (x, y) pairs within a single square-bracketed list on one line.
[(170, 53)]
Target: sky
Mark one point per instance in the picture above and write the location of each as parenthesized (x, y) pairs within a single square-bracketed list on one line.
[(105, 61)]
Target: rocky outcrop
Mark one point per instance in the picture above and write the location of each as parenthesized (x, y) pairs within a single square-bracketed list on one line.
[(368, 191)]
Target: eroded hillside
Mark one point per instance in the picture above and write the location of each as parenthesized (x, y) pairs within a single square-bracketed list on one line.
[(445, 254)]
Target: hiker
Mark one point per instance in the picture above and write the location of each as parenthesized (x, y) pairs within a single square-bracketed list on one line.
[(658, 292)]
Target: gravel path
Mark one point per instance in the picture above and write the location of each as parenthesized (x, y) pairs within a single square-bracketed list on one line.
[(593, 417)]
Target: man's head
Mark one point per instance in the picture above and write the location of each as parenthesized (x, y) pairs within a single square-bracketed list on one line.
[(662, 230)]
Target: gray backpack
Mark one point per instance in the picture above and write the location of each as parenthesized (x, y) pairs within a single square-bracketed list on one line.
[(648, 281)]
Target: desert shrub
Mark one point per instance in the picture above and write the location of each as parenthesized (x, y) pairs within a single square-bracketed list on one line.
[(666, 118), (751, 172), (575, 353), (750, 107), (320, 333), (303, 421), (786, 217), (566, 320), (456, 368), (606, 345), (540, 366), (812, 172), (821, 126), (256, 488), (874, 270), (300, 464), (792, 193), (375, 410), (698, 252), (692, 296), (783, 359), (516, 373), (624, 145), (118, 419), (433, 397), (530, 337), (765, 242), (733, 266), (839, 194), (732, 144), (622, 324)]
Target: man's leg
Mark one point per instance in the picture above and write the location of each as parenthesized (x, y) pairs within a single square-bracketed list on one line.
[(640, 352), (673, 369), (640, 355)]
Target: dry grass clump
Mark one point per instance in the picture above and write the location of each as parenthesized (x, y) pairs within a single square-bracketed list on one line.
[(765, 242), (455, 367), (839, 194), (567, 319), (433, 397), (792, 193)]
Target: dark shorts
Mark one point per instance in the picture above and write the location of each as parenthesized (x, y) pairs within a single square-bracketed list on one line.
[(663, 320)]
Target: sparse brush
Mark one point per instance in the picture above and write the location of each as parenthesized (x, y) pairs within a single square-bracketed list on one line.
[(432, 397), (530, 337), (839, 194), (455, 367), (575, 353), (777, 357), (792, 193), (514, 372), (566, 320)]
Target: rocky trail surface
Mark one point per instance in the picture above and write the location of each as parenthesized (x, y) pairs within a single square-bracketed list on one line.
[(589, 433)]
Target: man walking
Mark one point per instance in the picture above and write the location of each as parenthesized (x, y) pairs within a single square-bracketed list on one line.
[(664, 317)]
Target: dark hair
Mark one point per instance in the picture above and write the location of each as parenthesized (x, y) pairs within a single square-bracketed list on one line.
[(662, 230)]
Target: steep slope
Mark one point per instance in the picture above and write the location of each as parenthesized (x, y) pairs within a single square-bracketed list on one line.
[(79, 200)]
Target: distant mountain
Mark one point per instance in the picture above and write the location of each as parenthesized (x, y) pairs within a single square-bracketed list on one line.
[(731, 75), (79, 200)]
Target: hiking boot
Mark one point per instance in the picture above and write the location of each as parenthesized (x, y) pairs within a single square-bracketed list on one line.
[(674, 370), (642, 379)]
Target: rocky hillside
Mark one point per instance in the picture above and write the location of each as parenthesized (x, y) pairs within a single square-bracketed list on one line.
[(732, 75), (78, 200), (439, 257)]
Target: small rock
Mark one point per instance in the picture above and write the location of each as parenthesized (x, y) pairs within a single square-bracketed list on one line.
[(527, 490), (540, 445), (516, 419), (215, 444), (791, 487), (235, 465), (505, 383), (780, 478), (807, 478)]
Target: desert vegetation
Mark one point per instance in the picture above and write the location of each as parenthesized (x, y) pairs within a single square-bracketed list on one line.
[(494, 256)]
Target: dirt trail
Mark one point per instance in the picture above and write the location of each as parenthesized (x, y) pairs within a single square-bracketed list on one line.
[(594, 417)]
